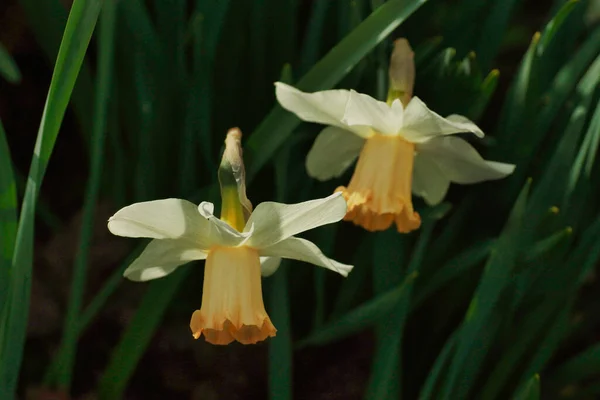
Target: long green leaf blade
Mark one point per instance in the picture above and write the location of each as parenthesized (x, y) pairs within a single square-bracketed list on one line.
[(475, 333), (8, 67), (8, 215), (78, 33), (361, 317)]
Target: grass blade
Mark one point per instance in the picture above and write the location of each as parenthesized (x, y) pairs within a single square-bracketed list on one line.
[(477, 330), (8, 215), (8, 67), (578, 368), (280, 347), (312, 40), (389, 256), (78, 33), (493, 30), (438, 368), (531, 389), (47, 19), (362, 317), (454, 268), (386, 377), (92, 310), (134, 342)]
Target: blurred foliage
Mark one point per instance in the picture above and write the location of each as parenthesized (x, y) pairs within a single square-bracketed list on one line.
[(493, 290)]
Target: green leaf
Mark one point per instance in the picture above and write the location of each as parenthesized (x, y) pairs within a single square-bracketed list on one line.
[(454, 268), (531, 389), (446, 73), (352, 288), (386, 376), (362, 317), (93, 309), (565, 166), (520, 113), (544, 246), (78, 32), (493, 31), (486, 91), (578, 368), (197, 135), (529, 333), (312, 40), (47, 19), (554, 25), (140, 331), (518, 103), (565, 81), (389, 269), (558, 288), (438, 369), (581, 170), (8, 215), (280, 347), (478, 327), (327, 72), (8, 67), (171, 18)]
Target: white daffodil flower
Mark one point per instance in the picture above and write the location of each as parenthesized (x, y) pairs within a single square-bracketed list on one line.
[(400, 148), (233, 246)]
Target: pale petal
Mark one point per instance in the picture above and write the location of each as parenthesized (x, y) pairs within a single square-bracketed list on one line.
[(162, 219), (429, 181), (334, 150), (220, 232), (325, 107), (274, 222), (160, 258), (461, 163), (304, 250), (269, 265), (421, 124), (363, 110)]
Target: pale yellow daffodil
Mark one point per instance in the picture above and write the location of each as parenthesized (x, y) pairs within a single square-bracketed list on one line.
[(400, 149), (236, 247)]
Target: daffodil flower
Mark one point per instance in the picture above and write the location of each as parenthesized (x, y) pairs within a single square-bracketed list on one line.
[(233, 247), (400, 149)]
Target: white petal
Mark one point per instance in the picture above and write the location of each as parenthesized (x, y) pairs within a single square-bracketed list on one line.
[(461, 163), (304, 250), (429, 181), (363, 110), (161, 219), (325, 107), (421, 124), (274, 222), (160, 258), (220, 232), (269, 265), (334, 150)]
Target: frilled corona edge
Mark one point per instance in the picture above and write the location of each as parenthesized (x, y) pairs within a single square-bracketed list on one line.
[(232, 304), (379, 192)]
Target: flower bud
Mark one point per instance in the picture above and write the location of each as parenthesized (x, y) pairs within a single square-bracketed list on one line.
[(402, 72), (235, 208)]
